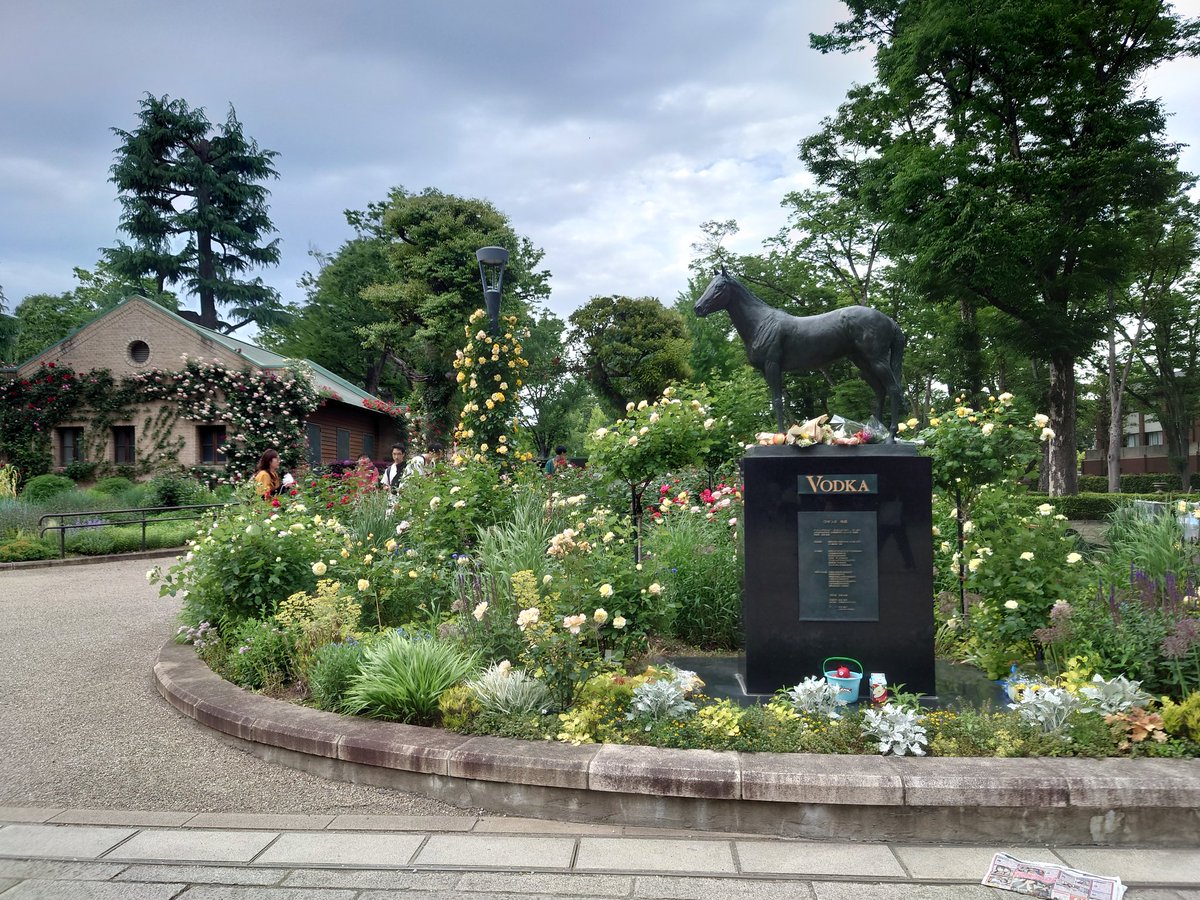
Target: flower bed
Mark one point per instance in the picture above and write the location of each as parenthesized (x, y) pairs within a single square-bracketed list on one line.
[(490, 599)]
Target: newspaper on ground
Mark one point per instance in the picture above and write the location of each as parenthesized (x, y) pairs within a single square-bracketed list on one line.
[(1050, 881)]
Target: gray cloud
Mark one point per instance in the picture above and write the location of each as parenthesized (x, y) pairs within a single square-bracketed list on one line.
[(607, 132)]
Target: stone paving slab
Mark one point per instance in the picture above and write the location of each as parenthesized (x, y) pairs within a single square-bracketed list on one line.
[(962, 863), (401, 823), (263, 821), (661, 887), (195, 846), (250, 875), (216, 892), (60, 841), (378, 879), (545, 883), (649, 855), (52, 868), (817, 858), (27, 813), (1143, 866), (503, 825), (131, 818), (333, 849), (499, 851), (92, 890), (855, 890)]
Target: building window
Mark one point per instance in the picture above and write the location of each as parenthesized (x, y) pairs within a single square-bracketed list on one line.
[(314, 444), (124, 445), (70, 445), (369, 445), (212, 438), (139, 351), (1131, 440), (343, 443), (1154, 438)]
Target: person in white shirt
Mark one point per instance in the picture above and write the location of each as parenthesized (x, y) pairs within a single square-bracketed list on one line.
[(423, 463), (393, 475)]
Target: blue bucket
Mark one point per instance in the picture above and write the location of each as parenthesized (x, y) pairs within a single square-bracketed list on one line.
[(847, 688)]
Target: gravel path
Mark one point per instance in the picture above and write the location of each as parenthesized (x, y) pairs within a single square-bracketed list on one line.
[(82, 726)]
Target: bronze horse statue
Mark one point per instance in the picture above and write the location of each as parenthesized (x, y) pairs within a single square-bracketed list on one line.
[(778, 342)]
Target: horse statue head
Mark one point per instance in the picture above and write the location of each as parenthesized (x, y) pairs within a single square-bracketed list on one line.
[(717, 295)]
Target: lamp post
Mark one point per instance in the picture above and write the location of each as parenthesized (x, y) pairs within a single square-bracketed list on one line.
[(492, 261)]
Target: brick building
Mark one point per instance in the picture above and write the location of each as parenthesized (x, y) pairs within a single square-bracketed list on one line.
[(1143, 449), (138, 335)]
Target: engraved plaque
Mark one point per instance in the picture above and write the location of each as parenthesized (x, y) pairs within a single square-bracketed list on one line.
[(839, 566)]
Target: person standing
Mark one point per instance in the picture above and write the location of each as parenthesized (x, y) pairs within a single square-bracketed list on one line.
[(558, 461), (266, 474), (423, 463), (393, 475)]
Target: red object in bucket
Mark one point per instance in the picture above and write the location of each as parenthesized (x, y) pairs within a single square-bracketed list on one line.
[(842, 672)]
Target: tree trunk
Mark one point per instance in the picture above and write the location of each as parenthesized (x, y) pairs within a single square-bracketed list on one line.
[(1115, 430), (1177, 426), (1062, 475)]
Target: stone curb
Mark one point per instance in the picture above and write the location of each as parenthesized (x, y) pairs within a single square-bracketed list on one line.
[(1081, 801), (161, 553)]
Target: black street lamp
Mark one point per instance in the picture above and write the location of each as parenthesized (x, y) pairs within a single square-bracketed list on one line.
[(492, 261)]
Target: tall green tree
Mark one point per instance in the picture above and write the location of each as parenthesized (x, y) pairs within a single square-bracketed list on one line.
[(1166, 376), (1006, 146), (330, 327), (195, 210), (434, 286), (555, 402), (629, 348), (8, 332)]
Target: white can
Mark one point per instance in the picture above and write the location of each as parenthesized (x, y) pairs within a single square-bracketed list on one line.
[(877, 685)]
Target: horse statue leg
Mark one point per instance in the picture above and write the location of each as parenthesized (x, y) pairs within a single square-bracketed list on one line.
[(774, 376)]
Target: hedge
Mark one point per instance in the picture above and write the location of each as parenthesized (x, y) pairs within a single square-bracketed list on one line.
[(1093, 505)]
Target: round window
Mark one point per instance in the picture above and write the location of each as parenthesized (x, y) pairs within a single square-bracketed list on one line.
[(139, 351)]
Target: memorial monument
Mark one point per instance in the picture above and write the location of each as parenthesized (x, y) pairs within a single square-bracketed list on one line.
[(838, 539)]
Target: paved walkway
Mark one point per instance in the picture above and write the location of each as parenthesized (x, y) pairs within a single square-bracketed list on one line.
[(85, 736), (94, 854)]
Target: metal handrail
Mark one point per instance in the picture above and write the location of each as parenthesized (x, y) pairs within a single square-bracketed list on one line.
[(143, 512)]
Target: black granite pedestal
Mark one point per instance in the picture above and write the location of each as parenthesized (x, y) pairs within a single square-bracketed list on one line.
[(839, 562)]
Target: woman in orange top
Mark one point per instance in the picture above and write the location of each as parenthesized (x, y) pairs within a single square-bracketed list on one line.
[(266, 475)]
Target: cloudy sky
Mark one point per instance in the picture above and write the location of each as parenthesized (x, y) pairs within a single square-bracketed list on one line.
[(606, 131)]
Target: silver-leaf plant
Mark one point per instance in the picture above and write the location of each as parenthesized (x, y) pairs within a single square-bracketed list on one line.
[(1048, 708), (1110, 697), (814, 696), (898, 729)]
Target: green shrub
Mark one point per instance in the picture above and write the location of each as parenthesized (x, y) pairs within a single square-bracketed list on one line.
[(259, 656), (80, 471), (247, 562), (43, 487), (333, 668), (92, 541), (458, 708), (695, 561), (1087, 506), (1093, 484), (1143, 483), (509, 692), (23, 549), (1183, 719), (402, 678), (173, 489), (17, 516), (113, 486)]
